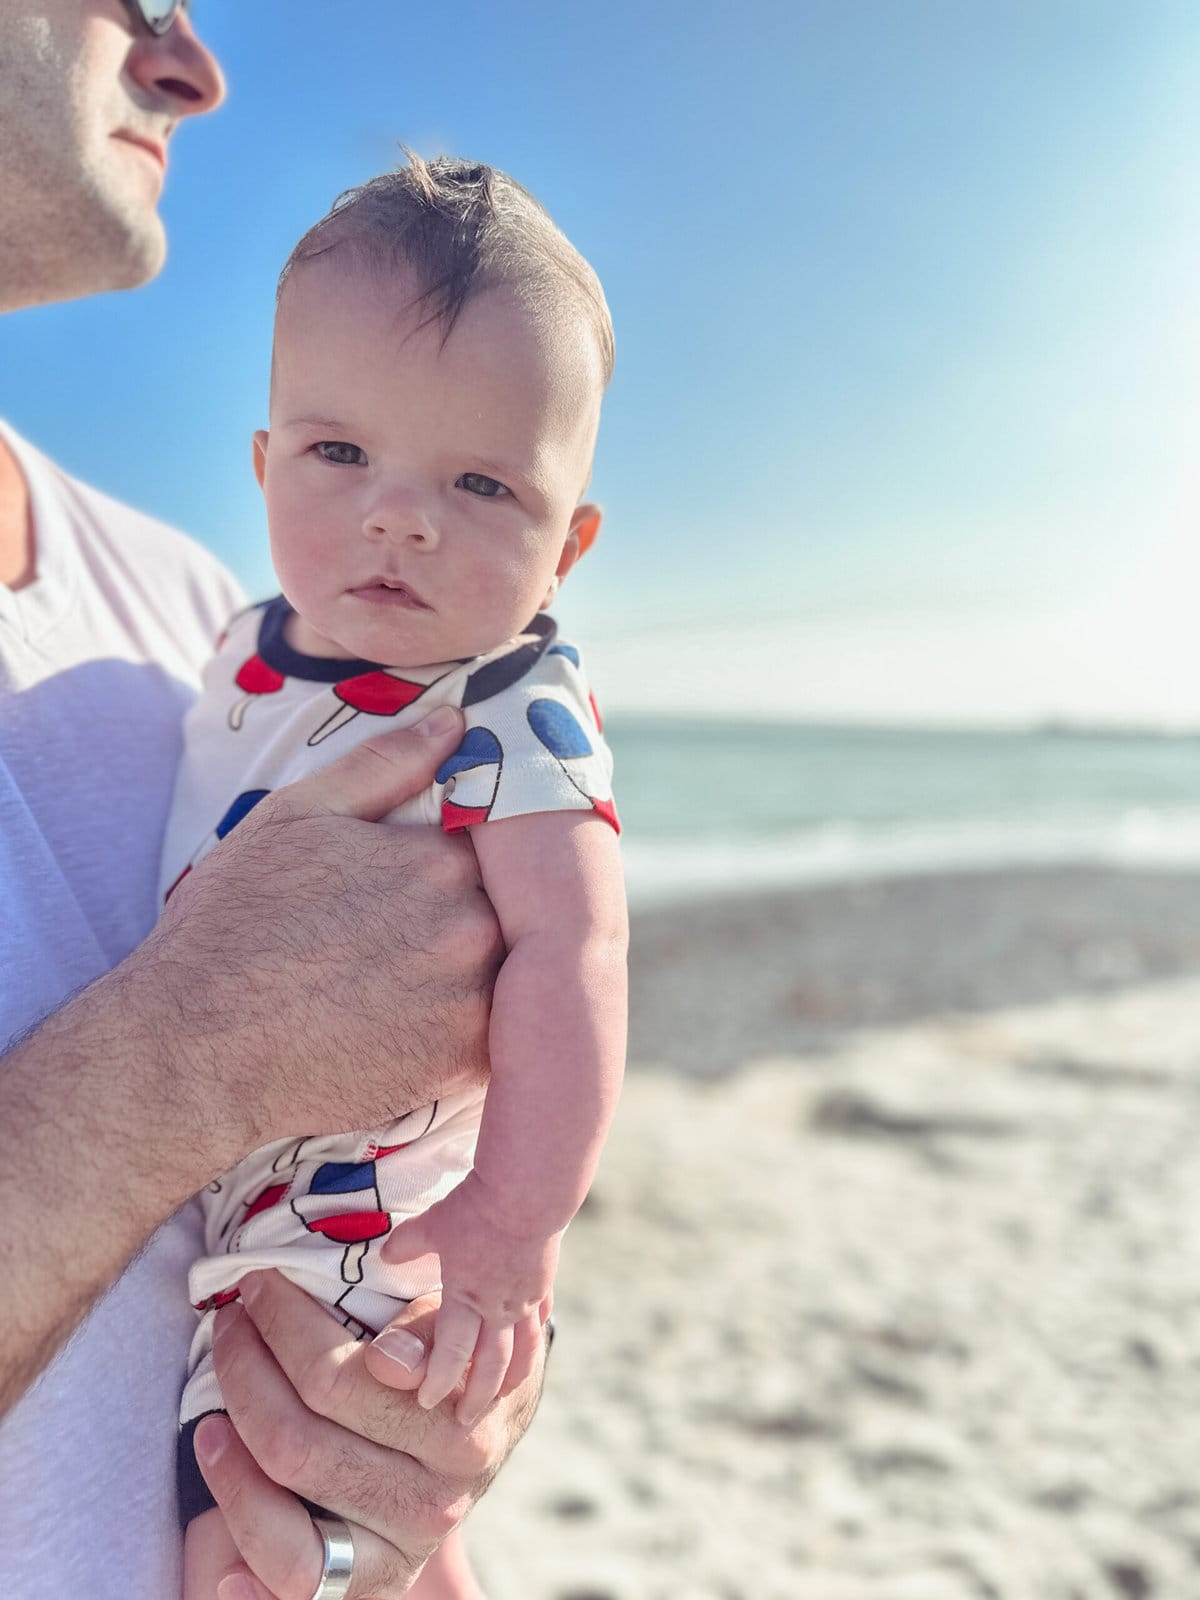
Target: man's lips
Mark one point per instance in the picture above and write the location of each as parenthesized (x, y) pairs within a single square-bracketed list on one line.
[(152, 147), (390, 592)]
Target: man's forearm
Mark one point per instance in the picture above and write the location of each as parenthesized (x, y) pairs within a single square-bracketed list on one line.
[(95, 1122), (268, 999)]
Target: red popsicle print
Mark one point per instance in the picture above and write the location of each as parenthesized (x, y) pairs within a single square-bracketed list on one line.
[(379, 694), (254, 677), (216, 1301), (177, 882), (349, 1227), (354, 1229), (608, 811), (270, 1196)]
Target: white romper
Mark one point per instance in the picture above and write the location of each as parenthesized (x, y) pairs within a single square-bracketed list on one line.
[(316, 1206)]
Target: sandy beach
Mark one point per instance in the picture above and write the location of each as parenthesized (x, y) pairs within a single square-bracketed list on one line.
[(889, 1288)]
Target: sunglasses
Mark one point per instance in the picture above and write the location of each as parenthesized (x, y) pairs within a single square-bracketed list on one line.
[(157, 15)]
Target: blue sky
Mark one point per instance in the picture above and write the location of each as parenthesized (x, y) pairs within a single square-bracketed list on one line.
[(908, 374)]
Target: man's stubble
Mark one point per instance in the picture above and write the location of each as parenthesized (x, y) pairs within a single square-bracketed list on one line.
[(76, 216)]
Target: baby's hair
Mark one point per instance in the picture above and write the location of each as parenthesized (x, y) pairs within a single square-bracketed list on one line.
[(462, 228)]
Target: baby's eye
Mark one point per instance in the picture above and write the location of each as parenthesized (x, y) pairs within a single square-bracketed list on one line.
[(479, 483), (340, 453)]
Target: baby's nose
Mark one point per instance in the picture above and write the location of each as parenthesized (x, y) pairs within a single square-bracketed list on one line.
[(400, 518)]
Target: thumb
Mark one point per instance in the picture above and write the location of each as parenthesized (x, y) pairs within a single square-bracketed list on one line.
[(396, 1357), (377, 775)]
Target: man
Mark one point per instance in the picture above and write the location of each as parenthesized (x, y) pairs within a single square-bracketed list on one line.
[(190, 1043)]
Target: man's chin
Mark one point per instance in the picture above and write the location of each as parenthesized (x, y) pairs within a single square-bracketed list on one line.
[(108, 251), (142, 258), (118, 237)]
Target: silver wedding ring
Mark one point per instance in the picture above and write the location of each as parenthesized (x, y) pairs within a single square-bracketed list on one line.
[(339, 1558)]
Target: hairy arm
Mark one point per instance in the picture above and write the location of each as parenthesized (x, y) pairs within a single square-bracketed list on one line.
[(91, 1094), (313, 960)]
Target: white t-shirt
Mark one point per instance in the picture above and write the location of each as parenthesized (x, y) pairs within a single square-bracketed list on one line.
[(100, 657)]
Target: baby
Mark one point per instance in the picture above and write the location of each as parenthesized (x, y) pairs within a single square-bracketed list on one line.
[(440, 356)]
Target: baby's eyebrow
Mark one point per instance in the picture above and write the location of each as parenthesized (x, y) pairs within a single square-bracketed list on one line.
[(314, 422), (509, 471)]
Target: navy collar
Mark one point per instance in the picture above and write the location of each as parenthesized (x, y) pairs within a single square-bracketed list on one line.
[(279, 654)]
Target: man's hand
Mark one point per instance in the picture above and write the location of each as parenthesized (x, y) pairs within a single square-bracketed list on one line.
[(317, 971), (309, 1413), (322, 972)]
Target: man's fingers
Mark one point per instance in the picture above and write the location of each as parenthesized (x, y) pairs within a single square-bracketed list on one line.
[(276, 1537), (271, 1529), (396, 1356), (308, 1453), (325, 1364), (377, 775), (286, 1369)]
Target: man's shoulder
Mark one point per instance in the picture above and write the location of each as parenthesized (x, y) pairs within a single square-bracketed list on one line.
[(135, 534), (127, 550)]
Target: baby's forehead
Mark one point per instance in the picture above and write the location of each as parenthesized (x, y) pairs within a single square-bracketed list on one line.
[(391, 309)]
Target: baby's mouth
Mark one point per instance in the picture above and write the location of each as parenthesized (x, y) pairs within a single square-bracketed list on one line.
[(390, 591)]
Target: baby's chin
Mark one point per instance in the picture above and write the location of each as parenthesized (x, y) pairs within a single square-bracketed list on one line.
[(396, 633), (399, 648)]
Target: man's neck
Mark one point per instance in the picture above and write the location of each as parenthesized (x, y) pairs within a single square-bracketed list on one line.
[(18, 554)]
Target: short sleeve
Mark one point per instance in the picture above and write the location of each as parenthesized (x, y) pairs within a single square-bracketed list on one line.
[(534, 745)]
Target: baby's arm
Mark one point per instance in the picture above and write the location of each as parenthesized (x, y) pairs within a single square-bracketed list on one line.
[(557, 1042)]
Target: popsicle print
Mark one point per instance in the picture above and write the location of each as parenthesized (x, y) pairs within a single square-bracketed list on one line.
[(381, 693), (241, 807), (343, 1204), (561, 732), (475, 768), (253, 677)]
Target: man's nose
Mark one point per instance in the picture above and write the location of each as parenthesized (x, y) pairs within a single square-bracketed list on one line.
[(177, 67)]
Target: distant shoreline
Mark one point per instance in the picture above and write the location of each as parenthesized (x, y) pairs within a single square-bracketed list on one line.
[(623, 720), (714, 807)]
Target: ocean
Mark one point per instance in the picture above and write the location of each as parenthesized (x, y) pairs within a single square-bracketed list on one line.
[(714, 807)]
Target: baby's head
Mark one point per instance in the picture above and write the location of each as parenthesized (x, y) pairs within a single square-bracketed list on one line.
[(441, 352)]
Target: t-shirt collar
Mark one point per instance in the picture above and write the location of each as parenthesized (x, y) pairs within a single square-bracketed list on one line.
[(33, 610)]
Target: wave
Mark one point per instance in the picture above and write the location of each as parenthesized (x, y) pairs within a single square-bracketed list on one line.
[(662, 870)]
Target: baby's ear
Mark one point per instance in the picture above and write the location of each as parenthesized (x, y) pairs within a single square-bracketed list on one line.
[(259, 449), (585, 525)]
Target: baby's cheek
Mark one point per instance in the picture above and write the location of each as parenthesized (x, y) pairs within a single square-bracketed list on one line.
[(304, 563)]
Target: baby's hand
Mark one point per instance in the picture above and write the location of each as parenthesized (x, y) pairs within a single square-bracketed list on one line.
[(496, 1296)]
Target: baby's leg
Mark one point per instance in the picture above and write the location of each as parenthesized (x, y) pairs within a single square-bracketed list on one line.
[(447, 1575), (208, 1554)]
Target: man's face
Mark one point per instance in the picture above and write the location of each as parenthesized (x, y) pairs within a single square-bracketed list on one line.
[(88, 103), (421, 489)]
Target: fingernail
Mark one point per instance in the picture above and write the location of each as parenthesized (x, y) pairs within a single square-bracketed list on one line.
[(398, 1345), (210, 1441), (439, 721), (236, 1587), (251, 1288)]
